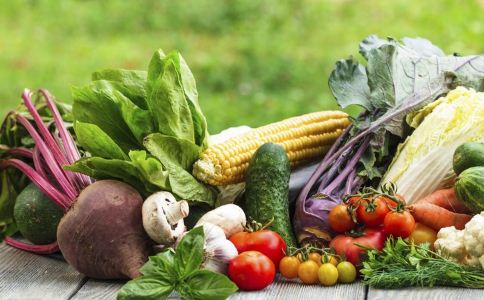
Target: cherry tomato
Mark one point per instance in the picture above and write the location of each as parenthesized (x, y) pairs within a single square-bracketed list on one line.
[(340, 219), (328, 274), (372, 212), (308, 272), (316, 257), (268, 242), (423, 234), (346, 271), (289, 266), (330, 259), (347, 246), (251, 271), (399, 224)]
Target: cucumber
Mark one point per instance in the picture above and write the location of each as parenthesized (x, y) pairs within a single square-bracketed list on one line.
[(469, 189), (36, 216), (468, 155), (267, 190)]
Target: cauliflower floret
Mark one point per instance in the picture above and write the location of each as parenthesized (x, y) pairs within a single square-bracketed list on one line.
[(474, 236), (451, 242)]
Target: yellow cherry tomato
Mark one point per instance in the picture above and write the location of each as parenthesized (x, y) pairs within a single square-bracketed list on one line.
[(346, 272), (316, 257), (308, 272), (288, 267), (423, 234), (328, 274)]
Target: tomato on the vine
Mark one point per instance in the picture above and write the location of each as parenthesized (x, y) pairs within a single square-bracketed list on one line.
[(308, 272), (289, 266), (348, 246), (316, 257), (372, 212), (340, 219), (251, 271), (399, 223), (268, 242)]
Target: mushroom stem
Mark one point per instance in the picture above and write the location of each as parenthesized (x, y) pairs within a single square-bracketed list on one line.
[(176, 212)]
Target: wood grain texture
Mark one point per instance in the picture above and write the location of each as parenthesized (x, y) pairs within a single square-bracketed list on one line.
[(27, 276), (97, 289), (437, 293)]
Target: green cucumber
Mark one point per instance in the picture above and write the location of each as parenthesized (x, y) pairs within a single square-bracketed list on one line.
[(468, 155), (267, 190), (469, 189), (36, 216)]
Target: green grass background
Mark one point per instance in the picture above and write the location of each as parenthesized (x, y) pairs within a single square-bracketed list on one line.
[(255, 61)]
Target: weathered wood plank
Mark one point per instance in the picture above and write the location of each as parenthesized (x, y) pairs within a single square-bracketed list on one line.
[(437, 293), (97, 289), (27, 276)]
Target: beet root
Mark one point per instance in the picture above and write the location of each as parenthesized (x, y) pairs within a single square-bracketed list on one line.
[(102, 235)]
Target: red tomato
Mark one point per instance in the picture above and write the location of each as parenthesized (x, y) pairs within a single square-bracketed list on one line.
[(347, 246), (340, 219), (267, 242), (399, 224), (372, 212), (251, 271)]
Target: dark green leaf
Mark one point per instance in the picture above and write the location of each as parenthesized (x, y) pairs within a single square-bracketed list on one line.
[(189, 252), (349, 84), (162, 264), (146, 288), (206, 284), (97, 142)]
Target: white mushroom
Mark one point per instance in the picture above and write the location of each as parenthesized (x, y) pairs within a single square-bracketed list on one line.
[(163, 217)]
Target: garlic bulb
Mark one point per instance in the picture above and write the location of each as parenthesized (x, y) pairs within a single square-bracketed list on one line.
[(229, 217), (218, 250)]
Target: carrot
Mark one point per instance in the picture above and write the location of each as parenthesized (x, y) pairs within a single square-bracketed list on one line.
[(437, 217), (445, 198)]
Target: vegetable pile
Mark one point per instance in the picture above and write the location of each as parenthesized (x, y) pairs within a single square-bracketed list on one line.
[(128, 184)]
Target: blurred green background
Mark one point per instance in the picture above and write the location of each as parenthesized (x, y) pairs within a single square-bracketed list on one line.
[(254, 61)]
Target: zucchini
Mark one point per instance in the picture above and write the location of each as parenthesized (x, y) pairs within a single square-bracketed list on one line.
[(468, 155), (267, 190), (36, 216)]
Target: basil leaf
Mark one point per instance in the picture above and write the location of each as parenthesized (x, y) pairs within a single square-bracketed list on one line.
[(205, 284), (162, 264), (189, 252), (97, 142), (146, 287)]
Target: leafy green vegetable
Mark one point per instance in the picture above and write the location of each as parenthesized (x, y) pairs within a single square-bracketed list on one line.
[(179, 271), (401, 264), (148, 126), (423, 162)]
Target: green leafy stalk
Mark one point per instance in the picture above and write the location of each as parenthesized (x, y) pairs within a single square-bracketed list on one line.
[(401, 264), (179, 271)]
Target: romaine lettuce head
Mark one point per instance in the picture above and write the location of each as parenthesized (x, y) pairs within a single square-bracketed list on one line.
[(423, 162)]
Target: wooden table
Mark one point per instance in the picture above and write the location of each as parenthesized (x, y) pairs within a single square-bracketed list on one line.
[(28, 276)]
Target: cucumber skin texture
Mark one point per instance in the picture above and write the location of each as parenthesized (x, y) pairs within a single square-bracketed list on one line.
[(267, 190), (469, 189), (36, 216), (468, 155)]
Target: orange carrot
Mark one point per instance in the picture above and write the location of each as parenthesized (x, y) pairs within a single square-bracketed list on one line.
[(447, 199), (437, 217)]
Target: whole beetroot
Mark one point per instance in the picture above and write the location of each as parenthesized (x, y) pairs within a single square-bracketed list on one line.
[(102, 235)]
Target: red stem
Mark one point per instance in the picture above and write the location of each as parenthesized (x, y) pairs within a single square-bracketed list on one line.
[(20, 151), (38, 164), (50, 161), (70, 148), (44, 185), (39, 249)]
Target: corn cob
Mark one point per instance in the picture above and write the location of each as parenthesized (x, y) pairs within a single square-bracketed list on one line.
[(305, 138)]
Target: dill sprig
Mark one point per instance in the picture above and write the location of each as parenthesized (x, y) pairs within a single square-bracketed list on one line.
[(401, 264)]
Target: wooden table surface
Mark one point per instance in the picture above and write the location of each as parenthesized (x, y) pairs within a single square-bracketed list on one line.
[(28, 276)]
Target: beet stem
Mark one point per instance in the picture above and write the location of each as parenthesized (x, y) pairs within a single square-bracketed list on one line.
[(38, 249), (20, 151)]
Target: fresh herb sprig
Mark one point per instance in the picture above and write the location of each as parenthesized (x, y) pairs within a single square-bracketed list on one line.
[(179, 271), (402, 264)]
